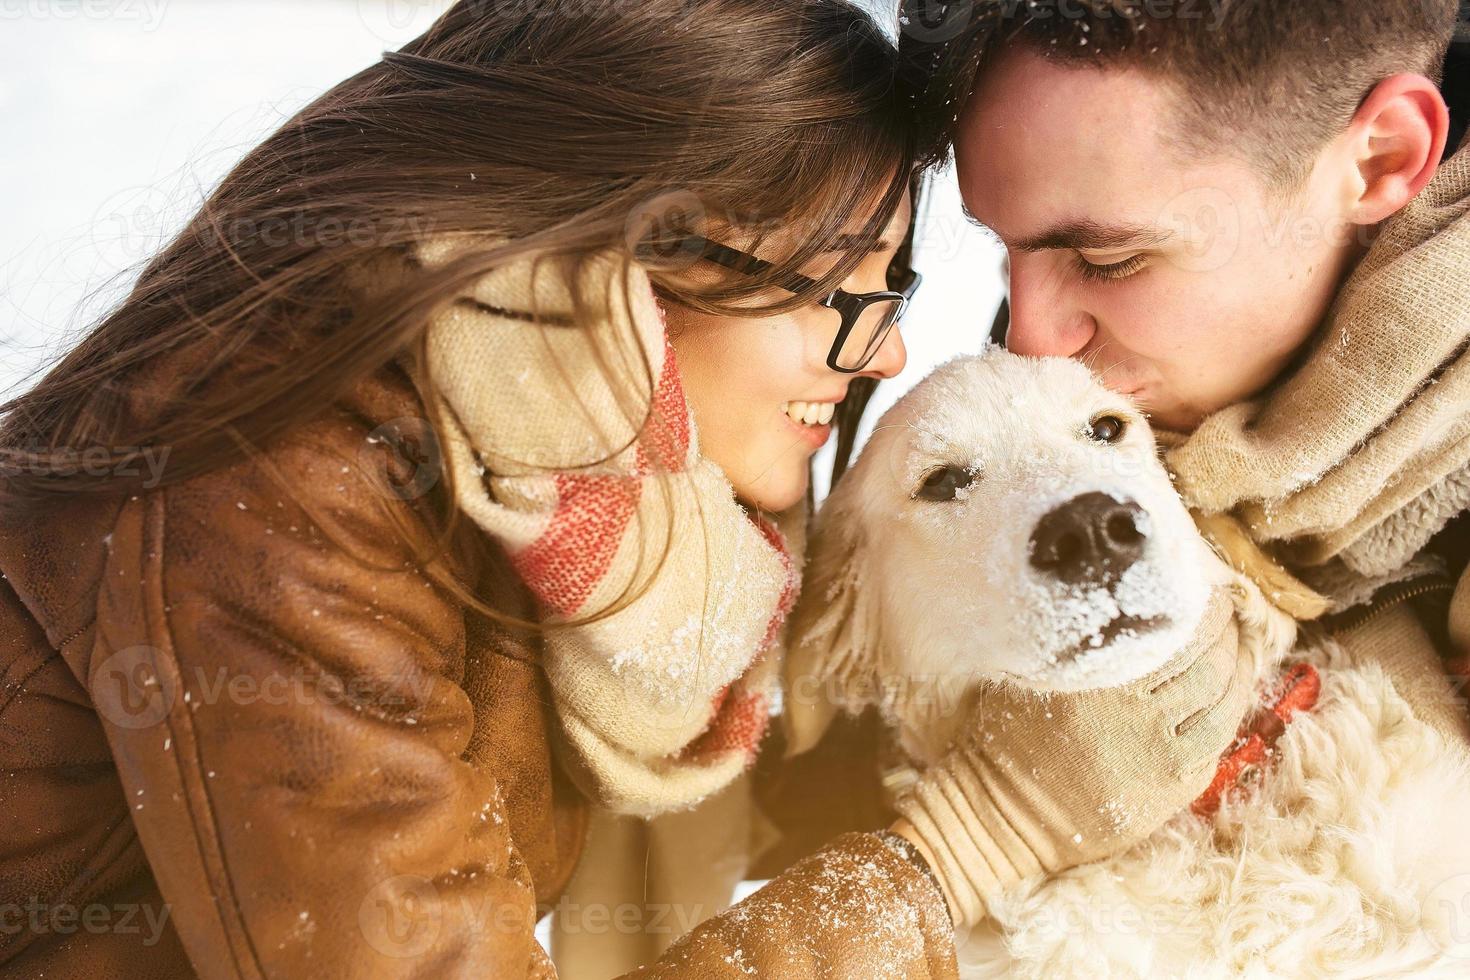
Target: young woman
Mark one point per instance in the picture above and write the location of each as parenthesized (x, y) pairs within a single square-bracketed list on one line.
[(444, 480)]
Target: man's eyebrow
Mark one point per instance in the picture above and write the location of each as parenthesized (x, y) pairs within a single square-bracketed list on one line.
[(1093, 236)]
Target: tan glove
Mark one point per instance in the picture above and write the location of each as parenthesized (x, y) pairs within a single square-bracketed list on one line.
[(1045, 784)]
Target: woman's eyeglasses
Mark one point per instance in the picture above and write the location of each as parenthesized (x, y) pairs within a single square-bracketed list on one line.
[(866, 317)]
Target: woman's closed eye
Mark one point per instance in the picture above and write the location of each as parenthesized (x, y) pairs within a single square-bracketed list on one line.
[(1109, 268)]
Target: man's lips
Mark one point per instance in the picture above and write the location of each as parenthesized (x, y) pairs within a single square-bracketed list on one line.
[(1109, 375)]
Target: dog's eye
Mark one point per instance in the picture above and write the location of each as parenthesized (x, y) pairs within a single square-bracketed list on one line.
[(942, 483), (1106, 428)]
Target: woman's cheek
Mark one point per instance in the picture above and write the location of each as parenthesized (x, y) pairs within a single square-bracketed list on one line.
[(738, 375), (767, 463)]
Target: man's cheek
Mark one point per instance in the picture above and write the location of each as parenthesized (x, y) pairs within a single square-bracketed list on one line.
[(1140, 316)]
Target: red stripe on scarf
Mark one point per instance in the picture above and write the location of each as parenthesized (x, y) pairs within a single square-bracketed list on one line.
[(739, 724), (563, 566), (566, 562), (666, 437), (789, 588), (739, 718)]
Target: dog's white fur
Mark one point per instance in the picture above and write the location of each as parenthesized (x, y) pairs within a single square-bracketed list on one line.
[(1350, 859)]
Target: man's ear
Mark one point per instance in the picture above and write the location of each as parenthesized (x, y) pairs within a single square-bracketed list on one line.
[(1397, 139), (832, 644)]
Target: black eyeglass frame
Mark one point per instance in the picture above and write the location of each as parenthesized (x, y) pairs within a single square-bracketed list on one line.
[(849, 306)]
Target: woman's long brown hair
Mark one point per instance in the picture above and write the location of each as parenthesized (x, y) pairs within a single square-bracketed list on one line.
[(551, 127)]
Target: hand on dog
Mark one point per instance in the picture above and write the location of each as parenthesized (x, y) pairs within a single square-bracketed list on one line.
[(1040, 784)]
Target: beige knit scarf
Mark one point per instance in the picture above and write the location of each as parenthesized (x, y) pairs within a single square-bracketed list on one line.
[(1346, 468), (662, 702)]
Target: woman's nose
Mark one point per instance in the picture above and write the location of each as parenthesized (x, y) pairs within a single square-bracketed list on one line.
[(890, 358)]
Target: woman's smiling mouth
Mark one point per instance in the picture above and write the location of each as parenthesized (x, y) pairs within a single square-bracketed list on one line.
[(810, 413), (818, 429)]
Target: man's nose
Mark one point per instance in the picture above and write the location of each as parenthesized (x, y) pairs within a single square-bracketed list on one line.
[(1046, 321)]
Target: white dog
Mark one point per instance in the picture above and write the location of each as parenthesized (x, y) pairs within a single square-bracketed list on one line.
[(1010, 522)]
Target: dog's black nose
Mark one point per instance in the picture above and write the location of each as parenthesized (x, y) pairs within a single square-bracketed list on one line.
[(1090, 539)]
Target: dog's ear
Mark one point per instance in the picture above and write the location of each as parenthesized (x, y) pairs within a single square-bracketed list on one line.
[(1267, 632), (833, 643), (1269, 600), (1233, 543)]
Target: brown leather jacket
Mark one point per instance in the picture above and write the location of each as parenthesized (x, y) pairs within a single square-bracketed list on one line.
[(243, 735)]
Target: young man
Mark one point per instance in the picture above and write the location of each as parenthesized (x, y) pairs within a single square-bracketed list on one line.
[(1240, 216)]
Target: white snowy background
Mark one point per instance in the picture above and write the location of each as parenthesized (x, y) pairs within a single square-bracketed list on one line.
[(119, 115)]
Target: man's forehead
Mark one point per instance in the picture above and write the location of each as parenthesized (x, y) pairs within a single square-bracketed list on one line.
[(1047, 151), (1106, 110)]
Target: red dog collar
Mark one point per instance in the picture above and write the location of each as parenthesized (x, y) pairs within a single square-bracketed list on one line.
[(1242, 764)]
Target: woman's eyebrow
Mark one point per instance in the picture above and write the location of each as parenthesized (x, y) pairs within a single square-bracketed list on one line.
[(849, 243)]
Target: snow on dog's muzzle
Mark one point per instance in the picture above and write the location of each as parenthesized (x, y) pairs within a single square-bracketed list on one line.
[(1110, 587)]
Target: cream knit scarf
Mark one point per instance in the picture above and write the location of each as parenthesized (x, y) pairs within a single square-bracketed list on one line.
[(1345, 469), (662, 702)]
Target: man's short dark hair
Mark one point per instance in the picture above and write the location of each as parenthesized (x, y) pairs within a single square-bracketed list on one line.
[(1277, 78)]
